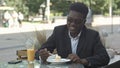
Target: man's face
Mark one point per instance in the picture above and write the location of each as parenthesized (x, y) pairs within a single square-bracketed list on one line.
[(75, 22)]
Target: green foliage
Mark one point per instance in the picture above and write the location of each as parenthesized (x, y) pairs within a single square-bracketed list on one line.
[(30, 7), (34, 5), (97, 6), (116, 7), (19, 5), (102, 6), (60, 6)]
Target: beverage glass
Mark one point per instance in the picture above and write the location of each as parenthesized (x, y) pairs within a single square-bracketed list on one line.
[(30, 45), (30, 55)]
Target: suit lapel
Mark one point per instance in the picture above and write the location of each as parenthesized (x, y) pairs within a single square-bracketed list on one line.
[(81, 41), (67, 42)]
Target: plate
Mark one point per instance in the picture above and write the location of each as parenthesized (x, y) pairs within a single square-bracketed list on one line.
[(62, 60)]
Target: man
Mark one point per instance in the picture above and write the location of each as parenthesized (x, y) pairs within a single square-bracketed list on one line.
[(75, 41)]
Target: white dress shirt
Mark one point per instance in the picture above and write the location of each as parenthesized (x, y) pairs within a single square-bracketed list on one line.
[(74, 42)]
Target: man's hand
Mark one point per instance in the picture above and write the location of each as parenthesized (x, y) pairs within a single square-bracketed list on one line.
[(76, 59), (44, 54)]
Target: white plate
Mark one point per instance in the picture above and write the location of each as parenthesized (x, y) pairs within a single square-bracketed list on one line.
[(62, 60)]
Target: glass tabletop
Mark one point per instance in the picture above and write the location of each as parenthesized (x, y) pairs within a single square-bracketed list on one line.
[(36, 64)]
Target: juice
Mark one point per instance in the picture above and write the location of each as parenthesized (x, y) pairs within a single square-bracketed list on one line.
[(30, 54)]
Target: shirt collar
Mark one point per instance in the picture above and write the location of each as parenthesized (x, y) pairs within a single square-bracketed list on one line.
[(77, 37)]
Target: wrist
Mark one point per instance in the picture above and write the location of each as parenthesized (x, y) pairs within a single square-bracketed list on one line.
[(84, 61)]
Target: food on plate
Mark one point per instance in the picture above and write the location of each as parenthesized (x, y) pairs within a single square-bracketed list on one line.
[(57, 57)]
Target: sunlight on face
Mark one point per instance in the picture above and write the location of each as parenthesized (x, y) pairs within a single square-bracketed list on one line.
[(75, 22)]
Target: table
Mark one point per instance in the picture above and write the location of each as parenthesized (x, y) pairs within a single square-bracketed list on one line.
[(36, 64)]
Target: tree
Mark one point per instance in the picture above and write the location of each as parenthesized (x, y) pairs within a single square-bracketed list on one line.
[(102, 6), (60, 6), (116, 7), (34, 5), (97, 6), (19, 5), (93, 4)]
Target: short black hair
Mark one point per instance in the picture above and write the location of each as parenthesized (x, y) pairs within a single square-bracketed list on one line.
[(79, 7)]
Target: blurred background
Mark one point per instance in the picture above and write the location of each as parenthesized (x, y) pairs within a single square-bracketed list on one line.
[(47, 10), (20, 19)]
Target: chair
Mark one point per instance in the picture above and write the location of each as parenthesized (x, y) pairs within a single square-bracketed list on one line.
[(22, 54)]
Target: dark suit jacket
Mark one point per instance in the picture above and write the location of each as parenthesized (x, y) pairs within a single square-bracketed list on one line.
[(89, 46)]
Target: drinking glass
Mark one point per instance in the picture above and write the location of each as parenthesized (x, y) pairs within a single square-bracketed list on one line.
[(30, 55), (30, 50)]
